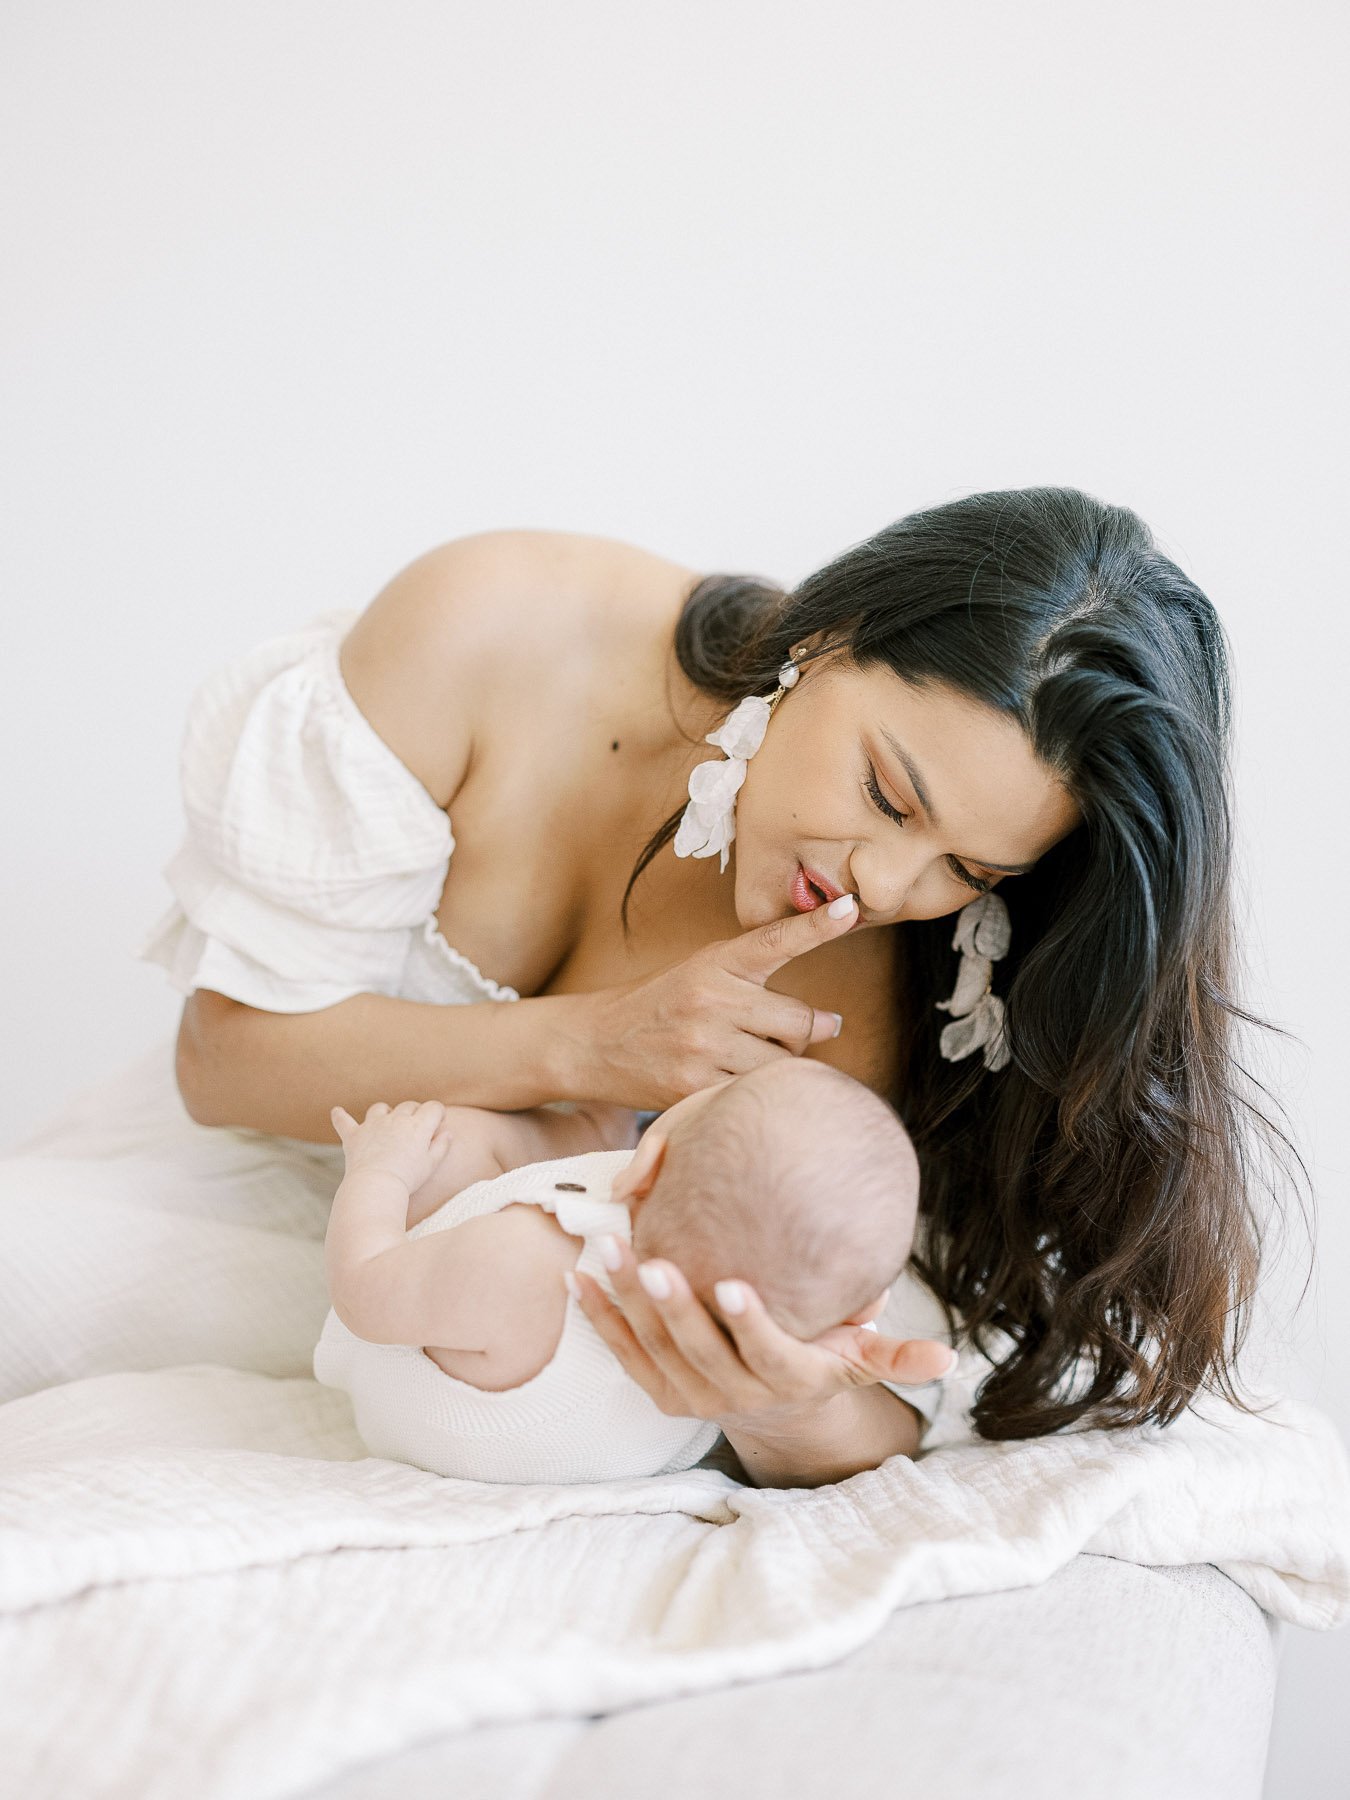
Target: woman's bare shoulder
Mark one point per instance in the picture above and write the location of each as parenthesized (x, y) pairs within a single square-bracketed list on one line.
[(430, 652)]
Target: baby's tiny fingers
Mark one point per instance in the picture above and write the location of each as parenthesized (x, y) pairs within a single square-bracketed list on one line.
[(407, 1106), (343, 1122), (379, 1107)]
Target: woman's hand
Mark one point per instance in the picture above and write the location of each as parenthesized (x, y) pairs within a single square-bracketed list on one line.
[(651, 1042), (743, 1371)]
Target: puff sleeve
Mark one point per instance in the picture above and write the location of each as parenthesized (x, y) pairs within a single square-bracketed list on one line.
[(314, 859)]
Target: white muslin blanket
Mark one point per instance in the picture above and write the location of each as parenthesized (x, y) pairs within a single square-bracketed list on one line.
[(207, 1588)]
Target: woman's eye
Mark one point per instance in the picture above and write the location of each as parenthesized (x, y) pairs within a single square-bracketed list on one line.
[(962, 873), (880, 800), (958, 869)]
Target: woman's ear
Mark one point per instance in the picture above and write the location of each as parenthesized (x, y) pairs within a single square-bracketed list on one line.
[(635, 1180)]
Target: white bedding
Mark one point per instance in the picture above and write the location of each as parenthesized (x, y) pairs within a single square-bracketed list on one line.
[(207, 1589)]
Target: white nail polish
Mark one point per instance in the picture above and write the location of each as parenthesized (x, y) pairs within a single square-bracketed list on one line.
[(730, 1296), (951, 1366), (842, 907), (656, 1281), (610, 1254)]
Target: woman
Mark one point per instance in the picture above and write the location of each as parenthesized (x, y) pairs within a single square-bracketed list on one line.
[(1012, 691)]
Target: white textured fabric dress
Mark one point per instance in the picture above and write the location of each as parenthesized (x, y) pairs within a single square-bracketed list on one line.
[(580, 1419), (311, 870)]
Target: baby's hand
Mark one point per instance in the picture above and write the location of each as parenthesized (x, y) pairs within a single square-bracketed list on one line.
[(407, 1142)]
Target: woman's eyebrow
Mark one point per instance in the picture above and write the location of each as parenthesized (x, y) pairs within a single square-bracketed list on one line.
[(911, 770), (921, 793)]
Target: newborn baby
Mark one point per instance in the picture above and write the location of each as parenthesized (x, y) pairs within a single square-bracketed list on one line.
[(457, 1340)]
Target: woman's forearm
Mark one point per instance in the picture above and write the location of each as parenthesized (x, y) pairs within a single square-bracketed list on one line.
[(854, 1431), (284, 1072)]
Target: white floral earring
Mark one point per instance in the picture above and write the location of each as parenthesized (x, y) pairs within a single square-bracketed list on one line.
[(983, 934), (708, 826)]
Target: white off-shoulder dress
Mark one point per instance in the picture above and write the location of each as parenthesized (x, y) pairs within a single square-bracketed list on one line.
[(311, 870)]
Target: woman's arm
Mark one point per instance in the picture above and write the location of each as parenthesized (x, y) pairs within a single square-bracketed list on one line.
[(647, 1042), (829, 1442), (419, 666), (283, 1072)]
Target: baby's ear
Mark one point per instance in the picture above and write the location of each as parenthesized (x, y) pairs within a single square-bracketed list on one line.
[(865, 1314), (636, 1179)]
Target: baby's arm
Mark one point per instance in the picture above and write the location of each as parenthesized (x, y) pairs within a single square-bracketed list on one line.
[(485, 1143), (493, 1285)]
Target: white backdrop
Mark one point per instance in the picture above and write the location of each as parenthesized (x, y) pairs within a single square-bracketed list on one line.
[(294, 291)]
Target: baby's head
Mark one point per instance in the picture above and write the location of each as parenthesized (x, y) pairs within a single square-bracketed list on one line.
[(794, 1178)]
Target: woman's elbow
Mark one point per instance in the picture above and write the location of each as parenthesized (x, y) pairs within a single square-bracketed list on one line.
[(202, 1058)]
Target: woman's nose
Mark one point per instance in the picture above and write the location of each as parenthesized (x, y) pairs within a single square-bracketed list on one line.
[(883, 883)]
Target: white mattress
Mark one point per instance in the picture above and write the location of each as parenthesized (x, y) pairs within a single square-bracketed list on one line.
[(1109, 1681)]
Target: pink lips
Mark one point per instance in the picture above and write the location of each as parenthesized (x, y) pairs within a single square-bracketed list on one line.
[(830, 891), (801, 894)]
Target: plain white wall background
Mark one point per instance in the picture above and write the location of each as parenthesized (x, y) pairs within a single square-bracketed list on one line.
[(293, 292)]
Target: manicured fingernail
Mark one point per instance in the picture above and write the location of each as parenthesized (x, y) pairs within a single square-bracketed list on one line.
[(842, 907), (610, 1254), (571, 1284), (656, 1281), (951, 1366), (730, 1296), (838, 1023)]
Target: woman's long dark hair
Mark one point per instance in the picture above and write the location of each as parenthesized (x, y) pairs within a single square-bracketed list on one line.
[(1094, 1200)]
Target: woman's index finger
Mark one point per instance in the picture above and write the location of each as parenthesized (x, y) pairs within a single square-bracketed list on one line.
[(765, 949)]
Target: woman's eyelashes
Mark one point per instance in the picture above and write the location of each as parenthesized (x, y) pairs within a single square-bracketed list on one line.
[(883, 805)]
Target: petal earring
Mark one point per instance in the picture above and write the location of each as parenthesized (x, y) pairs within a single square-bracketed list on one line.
[(983, 935), (708, 824)]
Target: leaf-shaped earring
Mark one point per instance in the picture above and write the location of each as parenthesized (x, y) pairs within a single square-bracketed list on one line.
[(983, 935), (708, 824)]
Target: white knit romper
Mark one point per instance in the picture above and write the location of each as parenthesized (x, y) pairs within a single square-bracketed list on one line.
[(582, 1418)]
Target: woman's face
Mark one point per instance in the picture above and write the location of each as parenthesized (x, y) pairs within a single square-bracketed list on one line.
[(916, 799)]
